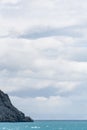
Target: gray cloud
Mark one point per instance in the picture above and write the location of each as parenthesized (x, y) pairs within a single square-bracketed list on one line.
[(32, 92), (49, 32)]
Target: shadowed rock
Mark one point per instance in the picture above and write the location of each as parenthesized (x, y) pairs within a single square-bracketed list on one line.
[(8, 113)]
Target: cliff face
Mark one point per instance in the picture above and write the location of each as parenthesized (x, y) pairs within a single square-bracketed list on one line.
[(8, 113)]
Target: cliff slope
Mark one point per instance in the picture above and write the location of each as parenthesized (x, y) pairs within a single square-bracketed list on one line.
[(8, 113)]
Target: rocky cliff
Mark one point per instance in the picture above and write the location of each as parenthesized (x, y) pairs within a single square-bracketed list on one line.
[(8, 113)]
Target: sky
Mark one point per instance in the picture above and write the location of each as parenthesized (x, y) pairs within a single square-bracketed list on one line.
[(43, 57)]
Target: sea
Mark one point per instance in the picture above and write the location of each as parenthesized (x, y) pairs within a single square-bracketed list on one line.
[(46, 125)]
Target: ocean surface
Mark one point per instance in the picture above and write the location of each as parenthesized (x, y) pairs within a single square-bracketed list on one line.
[(46, 125)]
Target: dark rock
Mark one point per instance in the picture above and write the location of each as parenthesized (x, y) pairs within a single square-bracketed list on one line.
[(8, 113)]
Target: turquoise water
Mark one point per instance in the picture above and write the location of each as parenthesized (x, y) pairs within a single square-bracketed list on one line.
[(46, 125)]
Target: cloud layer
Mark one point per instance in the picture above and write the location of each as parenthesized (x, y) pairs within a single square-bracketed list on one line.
[(43, 57)]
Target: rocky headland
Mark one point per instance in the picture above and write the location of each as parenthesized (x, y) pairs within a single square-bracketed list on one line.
[(9, 113)]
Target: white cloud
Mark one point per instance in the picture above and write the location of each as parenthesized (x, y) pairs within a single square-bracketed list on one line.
[(9, 1), (43, 50), (54, 107), (50, 105)]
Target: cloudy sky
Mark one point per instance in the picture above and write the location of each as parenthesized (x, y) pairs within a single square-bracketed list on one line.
[(43, 57)]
